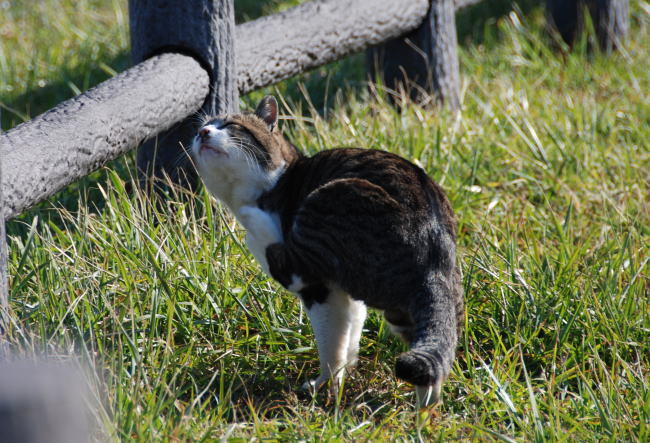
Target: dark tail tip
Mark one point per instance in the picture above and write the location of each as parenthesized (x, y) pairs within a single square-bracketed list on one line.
[(419, 368)]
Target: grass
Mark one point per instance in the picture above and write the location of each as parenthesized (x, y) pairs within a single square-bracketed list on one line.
[(547, 168)]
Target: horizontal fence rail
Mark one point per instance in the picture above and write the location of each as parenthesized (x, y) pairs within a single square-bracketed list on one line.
[(312, 34), (68, 142), (279, 46)]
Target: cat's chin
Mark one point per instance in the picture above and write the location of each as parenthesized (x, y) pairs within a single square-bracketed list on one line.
[(212, 150)]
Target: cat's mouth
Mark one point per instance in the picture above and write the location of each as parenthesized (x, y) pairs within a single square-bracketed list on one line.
[(212, 150)]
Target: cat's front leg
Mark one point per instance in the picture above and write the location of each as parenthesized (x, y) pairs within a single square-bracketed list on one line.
[(337, 322), (328, 311), (357, 315)]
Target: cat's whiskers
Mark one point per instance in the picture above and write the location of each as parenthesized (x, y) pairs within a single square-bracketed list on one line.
[(251, 148), (245, 151), (249, 151), (182, 158)]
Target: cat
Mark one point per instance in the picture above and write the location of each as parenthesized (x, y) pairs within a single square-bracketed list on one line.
[(345, 229)]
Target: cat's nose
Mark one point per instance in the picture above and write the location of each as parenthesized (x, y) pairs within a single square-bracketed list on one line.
[(205, 132)]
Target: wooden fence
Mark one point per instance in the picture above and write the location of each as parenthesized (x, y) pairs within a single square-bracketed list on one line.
[(184, 52)]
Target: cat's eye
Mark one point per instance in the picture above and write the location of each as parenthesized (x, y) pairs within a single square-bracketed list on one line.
[(229, 124)]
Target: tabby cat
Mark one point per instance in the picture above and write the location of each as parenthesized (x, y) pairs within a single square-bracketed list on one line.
[(343, 229)]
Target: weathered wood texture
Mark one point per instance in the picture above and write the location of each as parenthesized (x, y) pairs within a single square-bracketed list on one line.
[(76, 137), (423, 63), (282, 45), (610, 18), (201, 28)]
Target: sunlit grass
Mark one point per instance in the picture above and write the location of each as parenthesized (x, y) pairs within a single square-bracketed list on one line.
[(547, 169)]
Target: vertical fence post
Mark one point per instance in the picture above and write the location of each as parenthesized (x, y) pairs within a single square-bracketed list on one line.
[(610, 18), (425, 61), (205, 30)]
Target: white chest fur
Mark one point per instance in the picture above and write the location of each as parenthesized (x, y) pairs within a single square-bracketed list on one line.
[(237, 188), (263, 229), (235, 178)]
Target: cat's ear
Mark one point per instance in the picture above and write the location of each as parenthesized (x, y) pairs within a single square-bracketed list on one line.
[(267, 110)]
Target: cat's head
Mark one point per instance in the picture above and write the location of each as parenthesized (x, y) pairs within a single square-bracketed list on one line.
[(254, 137), (244, 149)]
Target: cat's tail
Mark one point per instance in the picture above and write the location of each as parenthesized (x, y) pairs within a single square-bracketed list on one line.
[(435, 336)]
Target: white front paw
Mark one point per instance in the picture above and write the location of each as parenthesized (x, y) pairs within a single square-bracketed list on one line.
[(312, 386)]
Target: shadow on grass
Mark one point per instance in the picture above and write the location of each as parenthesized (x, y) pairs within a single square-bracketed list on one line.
[(275, 392)]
